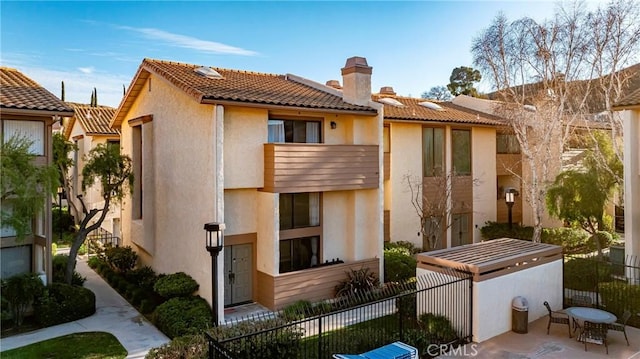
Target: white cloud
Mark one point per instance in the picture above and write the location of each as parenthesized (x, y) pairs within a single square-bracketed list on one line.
[(86, 70), (190, 42)]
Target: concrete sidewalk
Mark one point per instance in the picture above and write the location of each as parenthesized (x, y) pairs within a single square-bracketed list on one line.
[(113, 315)]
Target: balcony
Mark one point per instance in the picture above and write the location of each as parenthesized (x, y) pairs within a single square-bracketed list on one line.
[(311, 167)]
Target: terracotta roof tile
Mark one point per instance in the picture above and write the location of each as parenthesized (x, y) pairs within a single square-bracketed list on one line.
[(413, 111), (19, 92), (632, 99), (237, 86), (94, 120)]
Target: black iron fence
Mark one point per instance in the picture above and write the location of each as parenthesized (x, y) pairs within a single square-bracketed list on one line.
[(103, 237), (610, 282), (432, 313)]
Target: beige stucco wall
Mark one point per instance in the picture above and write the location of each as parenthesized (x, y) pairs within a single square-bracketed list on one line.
[(268, 224), (483, 162), (631, 129), (245, 132), (179, 187), (241, 211)]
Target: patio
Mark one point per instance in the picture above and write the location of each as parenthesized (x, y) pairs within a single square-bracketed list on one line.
[(557, 345)]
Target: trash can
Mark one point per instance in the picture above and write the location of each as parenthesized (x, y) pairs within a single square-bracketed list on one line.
[(519, 315)]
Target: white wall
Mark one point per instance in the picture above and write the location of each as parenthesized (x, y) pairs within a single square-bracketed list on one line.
[(631, 123), (483, 143)]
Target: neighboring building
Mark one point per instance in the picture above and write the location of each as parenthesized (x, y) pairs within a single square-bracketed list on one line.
[(88, 127), (448, 153), (27, 109), (630, 113), (290, 166)]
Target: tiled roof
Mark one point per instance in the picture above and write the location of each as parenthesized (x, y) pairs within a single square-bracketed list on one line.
[(94, 120), (238, 86), (18, 92), (631, 100), (412, 110)]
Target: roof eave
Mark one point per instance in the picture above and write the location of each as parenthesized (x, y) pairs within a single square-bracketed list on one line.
[(363, 112), (32, 112)]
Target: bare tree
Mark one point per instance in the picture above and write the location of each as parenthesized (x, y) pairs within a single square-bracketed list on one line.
[(548, 75), (436, 205)]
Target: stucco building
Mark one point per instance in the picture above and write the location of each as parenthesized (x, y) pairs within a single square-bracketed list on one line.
[(28, 110), (290, 166), (88, 127)]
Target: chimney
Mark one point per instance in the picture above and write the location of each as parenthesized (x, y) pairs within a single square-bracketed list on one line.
[(334, 83), (356, 81), (387, 90)]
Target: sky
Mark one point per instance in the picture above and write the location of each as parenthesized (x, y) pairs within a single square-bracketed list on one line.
[(411, 45)]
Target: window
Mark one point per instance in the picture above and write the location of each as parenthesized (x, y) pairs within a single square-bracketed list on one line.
[(432, 151), (32, 130), (460, 233), (15, 260), (137, 172), (507, 144), (298, 253), (299, 210), (461, 148), (293, 131), (300, 230)]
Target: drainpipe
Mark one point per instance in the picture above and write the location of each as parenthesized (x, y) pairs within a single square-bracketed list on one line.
[(218, 167)]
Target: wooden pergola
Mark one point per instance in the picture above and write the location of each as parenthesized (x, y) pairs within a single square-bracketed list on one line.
[(490, 259)]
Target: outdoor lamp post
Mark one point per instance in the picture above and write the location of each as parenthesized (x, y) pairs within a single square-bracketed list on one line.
[(214, 244), (60, 195), (510, 198)]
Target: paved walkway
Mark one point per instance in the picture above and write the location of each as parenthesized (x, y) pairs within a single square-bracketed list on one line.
[(113, 315)]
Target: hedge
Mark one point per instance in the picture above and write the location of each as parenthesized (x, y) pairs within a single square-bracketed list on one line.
[(64, 303), (182, 316), (176, 285)]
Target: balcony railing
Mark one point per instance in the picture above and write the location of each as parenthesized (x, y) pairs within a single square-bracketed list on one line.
[(310, 167)]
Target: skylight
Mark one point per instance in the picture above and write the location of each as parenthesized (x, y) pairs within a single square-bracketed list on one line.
[(431, 105), (208, 72), (391, 101)]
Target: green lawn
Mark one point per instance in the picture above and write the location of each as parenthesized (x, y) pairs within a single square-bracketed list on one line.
[(89, 345)]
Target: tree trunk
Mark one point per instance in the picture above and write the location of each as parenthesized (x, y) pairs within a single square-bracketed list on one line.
[(73, 253)]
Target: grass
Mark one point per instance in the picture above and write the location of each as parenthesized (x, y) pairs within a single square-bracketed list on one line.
[(88, 345)]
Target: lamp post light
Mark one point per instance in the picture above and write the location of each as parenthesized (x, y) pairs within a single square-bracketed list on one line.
[(510, 198), (60, 195), (214, 244)]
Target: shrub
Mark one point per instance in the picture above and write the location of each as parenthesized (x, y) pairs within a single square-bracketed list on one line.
[(398, 265), (176, 285), (122, 259), (438, 328), (137, 296), (585, 273), (285, 343), (62, 222), (184, 347), (147, 306), (358, 281), (605, 239), (494, 230), (182, 316), (298, 310), (59, 263), (409, 246), (94, 262), (573, 240), (21, 291), (620, 296), (64, 303), (144, 277), (54, 249)]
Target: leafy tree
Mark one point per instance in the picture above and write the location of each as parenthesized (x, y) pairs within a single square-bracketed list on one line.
[(539, 70), (461, 81), (114, 173), (581, 196), (438, 93), (25, 185), (63, 162)]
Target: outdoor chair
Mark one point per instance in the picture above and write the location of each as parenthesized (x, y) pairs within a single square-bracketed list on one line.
[(557, 318), (594, 333), (397, 350), (621, 326)]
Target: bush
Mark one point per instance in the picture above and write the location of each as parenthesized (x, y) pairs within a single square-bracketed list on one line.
[(185, 347), (64, 303), (572, 240), (147, 306), (62, 222), (59, 263), (605, 239), (285, 343), (122, 259), (176, 285), (398, 265), (361, 280), (145, 278), (620, 296), (298, 310), (581, 274), (54, 249), (495, 230), (438, 328), (182, 316), (21, 291), (94, 262), (410, 247)]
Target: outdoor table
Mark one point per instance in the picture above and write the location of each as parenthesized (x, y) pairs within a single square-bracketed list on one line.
[(592, 315)]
